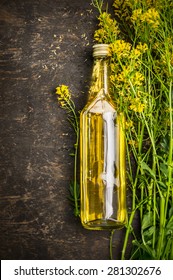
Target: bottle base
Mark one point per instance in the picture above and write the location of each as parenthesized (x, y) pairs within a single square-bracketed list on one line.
[(103, 225)]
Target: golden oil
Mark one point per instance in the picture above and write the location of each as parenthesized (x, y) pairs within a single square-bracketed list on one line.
[(102, 153)]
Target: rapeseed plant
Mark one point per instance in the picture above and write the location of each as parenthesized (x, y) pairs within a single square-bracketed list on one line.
[(141, 66), (66, 102)]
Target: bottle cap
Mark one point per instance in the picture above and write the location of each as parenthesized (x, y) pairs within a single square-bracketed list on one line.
[(100, 50)]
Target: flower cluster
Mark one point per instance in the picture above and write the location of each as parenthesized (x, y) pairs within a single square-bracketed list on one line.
[(137, 106), (63, 94), (120, 48), (108, 29), (151, 17)]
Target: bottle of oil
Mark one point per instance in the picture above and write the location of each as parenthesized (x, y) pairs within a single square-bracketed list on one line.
[(102, 153)]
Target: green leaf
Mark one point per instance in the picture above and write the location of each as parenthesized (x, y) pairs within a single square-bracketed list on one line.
[(147, 253), (169, 227), (164, 169), (145, 166), (149, 232), (171, 212), (165, 144), (162, 185), (71, 189), (147, 220)]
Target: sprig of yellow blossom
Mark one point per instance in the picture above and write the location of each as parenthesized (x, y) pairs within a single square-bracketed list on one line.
[(108, 29), (64, 95), (66, 102)]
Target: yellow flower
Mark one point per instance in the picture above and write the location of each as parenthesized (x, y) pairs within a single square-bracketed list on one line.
[(100, 35), (171, 59), (108, 29), (63, 94), (137, 106), (112, 67), (123, 75), (142, 47), (151, 17), (132, 143), (136, 15), (62, 103), (135, 53), (122, 8), (129, 124), (137, 79), (112, 79), (121, 93), (121, 48)]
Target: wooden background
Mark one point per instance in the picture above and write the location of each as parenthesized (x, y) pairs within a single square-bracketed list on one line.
[(44, 43)]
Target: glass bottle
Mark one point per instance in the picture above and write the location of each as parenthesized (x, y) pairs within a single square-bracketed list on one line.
[(102, 153)]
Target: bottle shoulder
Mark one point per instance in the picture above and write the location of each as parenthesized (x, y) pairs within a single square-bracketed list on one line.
[(101, 103)]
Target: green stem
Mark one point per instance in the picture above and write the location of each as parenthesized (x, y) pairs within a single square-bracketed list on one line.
[(170, 163), (161, 228), (127, 234), (75, 124), (154, 216), (111, 244), (134, 195), (128, 230), (139, 151), (75, 176), (98, 4)]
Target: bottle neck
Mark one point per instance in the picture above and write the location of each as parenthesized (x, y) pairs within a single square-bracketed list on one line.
[(100, 80)]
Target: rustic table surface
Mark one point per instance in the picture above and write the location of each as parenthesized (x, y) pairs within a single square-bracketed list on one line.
[(43, 44)]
